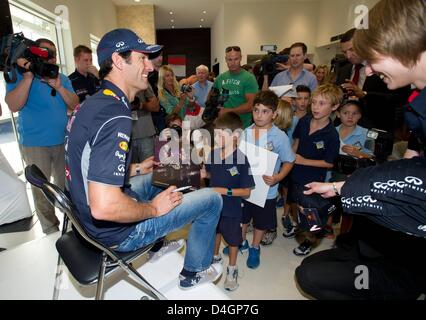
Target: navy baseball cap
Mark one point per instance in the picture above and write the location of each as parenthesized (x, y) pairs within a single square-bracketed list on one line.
[(121, 40)]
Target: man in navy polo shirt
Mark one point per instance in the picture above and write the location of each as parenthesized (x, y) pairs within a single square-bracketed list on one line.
[(85, 77), (104, 185)]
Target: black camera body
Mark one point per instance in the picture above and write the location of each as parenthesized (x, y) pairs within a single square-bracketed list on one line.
[(185, 88), (216, 99), (270, 60), (16, 46), (347, 164)]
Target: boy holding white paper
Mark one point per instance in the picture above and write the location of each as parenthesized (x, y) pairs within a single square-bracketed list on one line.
[(264, 134)]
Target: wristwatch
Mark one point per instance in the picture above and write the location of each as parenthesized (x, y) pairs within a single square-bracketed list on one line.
[(335, 189), (229, 192), (138, 169)]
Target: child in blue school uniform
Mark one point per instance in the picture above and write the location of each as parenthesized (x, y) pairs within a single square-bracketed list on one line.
[(265, 134), (228, 170), (316, 144)]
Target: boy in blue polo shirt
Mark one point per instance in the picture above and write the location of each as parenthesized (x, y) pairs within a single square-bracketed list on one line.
[(316, 144), (265, 134), (228, 170)]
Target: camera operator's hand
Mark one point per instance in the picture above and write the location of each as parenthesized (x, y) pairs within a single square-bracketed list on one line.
[(25, 64), (166, 201), (223, 110), (281, 66), (351, 150), (147, 165), (54, 83), (352, 88)]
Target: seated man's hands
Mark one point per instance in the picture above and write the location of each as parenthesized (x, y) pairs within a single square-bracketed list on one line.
[(166, 201)]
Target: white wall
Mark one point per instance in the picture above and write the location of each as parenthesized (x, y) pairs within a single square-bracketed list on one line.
[(86, 17), (254, 24), (337, 16), (217, 39)]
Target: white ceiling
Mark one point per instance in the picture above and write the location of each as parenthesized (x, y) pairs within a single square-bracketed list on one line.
[(188, 13)]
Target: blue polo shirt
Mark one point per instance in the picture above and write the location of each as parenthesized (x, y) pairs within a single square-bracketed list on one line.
[(321, 145), (97, 150), (358, 137), (201, 92), (232, 172), (305, 77), (275, 140), (42, 120)]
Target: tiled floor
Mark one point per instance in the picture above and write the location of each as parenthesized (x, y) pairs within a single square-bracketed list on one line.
[(273, 279)]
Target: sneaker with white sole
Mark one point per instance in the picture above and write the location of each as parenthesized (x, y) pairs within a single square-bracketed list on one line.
[(231, 282), (268, 237), (217, 259), (289, 233), (168, 247), (303, 249), (211, 274)]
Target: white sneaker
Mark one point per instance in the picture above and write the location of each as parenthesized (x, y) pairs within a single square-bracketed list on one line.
[(168, 247), (211, 274), (231, 283)]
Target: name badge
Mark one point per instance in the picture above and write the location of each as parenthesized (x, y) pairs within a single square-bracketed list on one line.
[(269, 146), (233, 171), (319, 145)]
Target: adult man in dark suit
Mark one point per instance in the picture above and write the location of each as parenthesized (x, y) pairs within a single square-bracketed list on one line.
[(382, 107)]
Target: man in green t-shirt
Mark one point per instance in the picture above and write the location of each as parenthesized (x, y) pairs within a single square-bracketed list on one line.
[(241, 84)]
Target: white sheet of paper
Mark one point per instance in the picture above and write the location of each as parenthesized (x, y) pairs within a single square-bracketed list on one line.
[(262, 162), (281, 90)]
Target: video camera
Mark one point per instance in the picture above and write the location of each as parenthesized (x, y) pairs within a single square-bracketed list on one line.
[(216, 99), (16, 46), (270, 60)]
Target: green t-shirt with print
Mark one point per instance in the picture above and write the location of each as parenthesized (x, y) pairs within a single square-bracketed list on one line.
[(238, 85)]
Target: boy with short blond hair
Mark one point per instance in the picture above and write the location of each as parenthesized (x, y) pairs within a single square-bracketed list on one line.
[(316, 144)]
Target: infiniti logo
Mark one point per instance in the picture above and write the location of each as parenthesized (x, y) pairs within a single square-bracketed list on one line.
[(120, 44), (414, 180)]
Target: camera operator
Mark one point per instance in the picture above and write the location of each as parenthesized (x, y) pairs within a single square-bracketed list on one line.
[(242, 87), (42, 105), (296, 74), (393, 258)]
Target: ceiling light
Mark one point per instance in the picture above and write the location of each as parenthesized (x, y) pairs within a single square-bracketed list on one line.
[(204, 11), (137, 0), (171, 12), (202, 20), (173, 27), (172, 20), (201, 26)]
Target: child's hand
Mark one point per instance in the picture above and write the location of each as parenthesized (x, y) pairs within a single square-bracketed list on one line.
[(203, 172), (299, 159), (270, 180), (351, 150)]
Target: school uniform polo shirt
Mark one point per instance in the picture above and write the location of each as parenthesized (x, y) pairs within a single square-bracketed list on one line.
[(97, 150), (232, 172), (321, 145), (275, 140), (84, 86), (357, 138)]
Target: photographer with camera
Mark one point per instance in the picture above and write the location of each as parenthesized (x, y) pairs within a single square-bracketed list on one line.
[(240, 85), (173, 98), (42, 104)]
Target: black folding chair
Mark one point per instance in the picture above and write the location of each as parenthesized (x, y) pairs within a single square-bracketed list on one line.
[(87, 259)]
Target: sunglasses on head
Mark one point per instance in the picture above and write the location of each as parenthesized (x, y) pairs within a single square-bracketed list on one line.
[(233, 48)]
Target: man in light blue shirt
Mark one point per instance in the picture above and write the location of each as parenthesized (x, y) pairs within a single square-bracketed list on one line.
[(296, 75), (202, 86)]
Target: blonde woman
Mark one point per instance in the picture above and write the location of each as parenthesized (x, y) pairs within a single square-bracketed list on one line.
[(170, 95), (322, 74)]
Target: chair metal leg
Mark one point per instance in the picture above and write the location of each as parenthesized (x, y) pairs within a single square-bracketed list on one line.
[(141, 280), (101, 277), (58, 278)]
